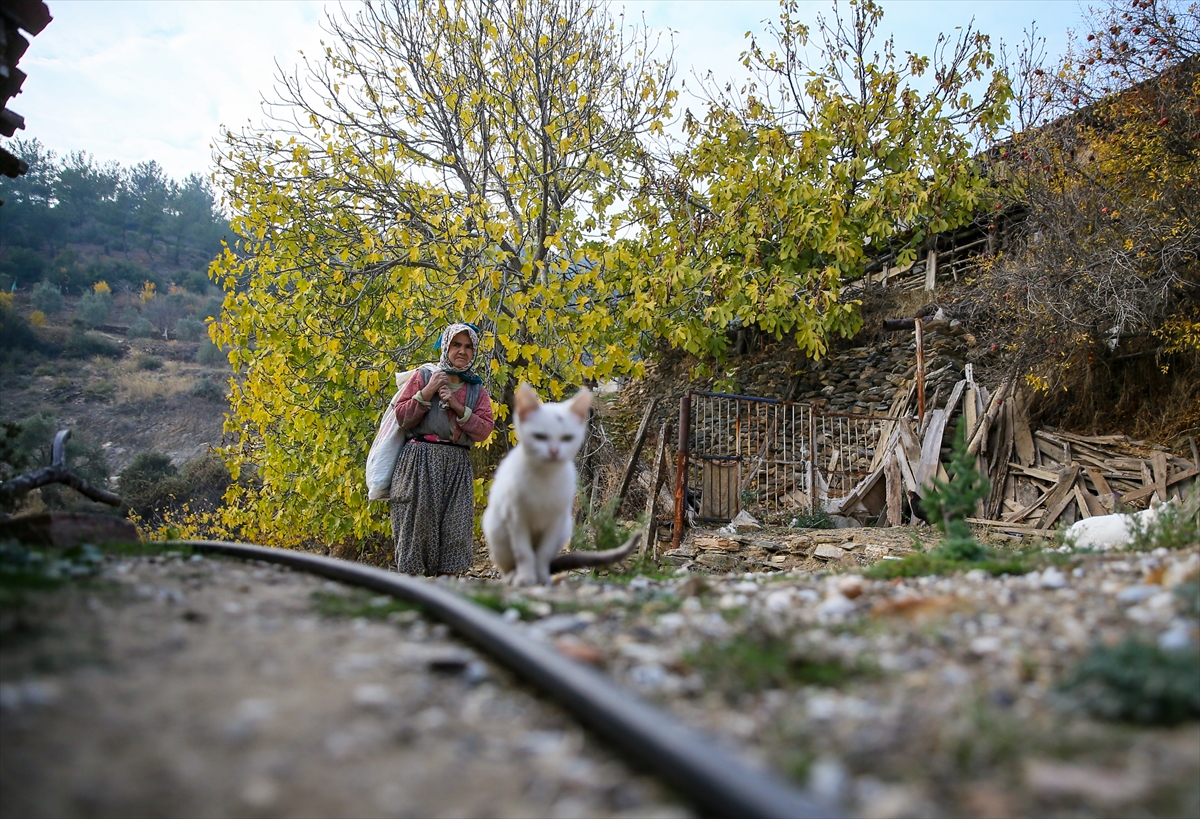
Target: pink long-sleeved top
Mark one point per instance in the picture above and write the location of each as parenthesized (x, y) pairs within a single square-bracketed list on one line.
[(479, 426)]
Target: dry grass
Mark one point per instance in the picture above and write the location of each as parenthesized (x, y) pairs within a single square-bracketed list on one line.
[(141, 387)]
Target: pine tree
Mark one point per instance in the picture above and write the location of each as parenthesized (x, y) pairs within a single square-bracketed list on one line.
[(949, 503)]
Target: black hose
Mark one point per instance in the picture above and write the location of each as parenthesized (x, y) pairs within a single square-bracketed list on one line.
[(713, 779)]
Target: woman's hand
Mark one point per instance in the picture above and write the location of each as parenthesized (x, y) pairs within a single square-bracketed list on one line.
[(446, 393), (437, 382)]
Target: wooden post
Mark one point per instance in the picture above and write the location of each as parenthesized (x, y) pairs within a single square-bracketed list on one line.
[(895, 491), (920, 337), (639, 441), (681, 461), (931, 262), (657, 475)]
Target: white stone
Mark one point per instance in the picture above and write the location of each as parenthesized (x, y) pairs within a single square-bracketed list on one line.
[(1136, 594), (1052, 578), (1177, 637)]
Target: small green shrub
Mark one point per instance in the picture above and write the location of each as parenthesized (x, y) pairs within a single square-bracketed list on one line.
[(758, 660), (94, 308), (102, 391), (148, 362), (82, 344), (151, 484), (141, 328), (209, 354), (46, 297), (820, 519), (191, 329), (1139, 682), (207, 389), (358, 603)]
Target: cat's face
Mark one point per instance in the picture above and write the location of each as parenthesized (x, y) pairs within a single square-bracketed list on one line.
[(551, 432)]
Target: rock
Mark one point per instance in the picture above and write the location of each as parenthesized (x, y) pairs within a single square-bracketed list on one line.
[(850, 586), (1136, 594), (835, 605), (768, 545), (745, 520), (576, 649), (1050, 779), (844, 522), (1052, 578), (827, 551), (66, 529)]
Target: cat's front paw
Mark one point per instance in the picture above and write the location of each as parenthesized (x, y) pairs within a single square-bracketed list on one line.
[(520, 578)]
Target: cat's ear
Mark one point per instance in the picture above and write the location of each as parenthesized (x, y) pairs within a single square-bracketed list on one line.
[(526, 401), (581, 402)]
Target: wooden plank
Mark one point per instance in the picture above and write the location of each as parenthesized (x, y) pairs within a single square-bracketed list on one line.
[(906, 471), (955, 396), (1147, 491), (1022, 437), (1081, 503), (1158, 465), (1102, 488), (931, 262), (1059, 496), (1195, 451), (638, 442), (1004, 526), (1147, 474), (719, 495), (931, 447), (895, 490), (1091, 506), (1051, 451), (910, 446)]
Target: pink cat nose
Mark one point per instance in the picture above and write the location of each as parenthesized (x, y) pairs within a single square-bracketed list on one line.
[(554, 452)]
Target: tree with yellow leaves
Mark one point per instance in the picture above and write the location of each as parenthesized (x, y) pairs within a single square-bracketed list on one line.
[(438, 161), (838, 150)]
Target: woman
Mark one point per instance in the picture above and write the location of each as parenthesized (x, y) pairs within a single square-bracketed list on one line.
[(433, 490)]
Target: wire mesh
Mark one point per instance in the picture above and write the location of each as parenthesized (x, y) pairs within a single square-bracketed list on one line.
[(773, 457)]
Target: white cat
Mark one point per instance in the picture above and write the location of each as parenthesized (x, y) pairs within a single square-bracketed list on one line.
[(528, 519), (1106, 532)]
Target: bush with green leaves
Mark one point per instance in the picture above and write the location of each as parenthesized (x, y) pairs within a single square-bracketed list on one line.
[(82, 344), (46, 297), (94, 308), (1137, 681), (141, 328), (26, 446), (207, 389), (152, 485), (23, 266), (16, 336), (209, 354), (191, 329), (950, 502)]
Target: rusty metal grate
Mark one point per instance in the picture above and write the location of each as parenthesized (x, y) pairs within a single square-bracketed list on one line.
[(769, 455)]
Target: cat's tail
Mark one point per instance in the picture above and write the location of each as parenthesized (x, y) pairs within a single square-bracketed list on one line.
[(582, 560)]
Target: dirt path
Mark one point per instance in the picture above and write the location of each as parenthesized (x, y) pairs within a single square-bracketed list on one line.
[(211, 687)]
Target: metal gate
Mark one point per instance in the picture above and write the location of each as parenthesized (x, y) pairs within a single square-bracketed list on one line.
[(769, 456)]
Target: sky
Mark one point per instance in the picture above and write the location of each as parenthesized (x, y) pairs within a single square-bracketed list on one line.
[(145, 79)]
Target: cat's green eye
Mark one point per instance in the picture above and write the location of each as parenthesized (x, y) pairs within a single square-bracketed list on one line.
[(541, 436), (568, 437)]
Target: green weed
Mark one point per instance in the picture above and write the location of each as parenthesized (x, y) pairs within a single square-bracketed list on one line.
[(1175, 526), (494, 600), (358, 603), (1139, 682), (759, 660)]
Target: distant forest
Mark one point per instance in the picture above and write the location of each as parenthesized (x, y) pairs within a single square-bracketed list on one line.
[(73, 221)]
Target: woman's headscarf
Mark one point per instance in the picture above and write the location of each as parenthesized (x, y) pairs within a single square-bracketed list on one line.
[(467, 373)]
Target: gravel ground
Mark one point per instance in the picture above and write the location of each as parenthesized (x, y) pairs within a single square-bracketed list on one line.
[(211, 687), (917, 697), (164, 686)]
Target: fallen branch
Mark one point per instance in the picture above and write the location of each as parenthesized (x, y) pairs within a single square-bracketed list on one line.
[(57, 472)]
